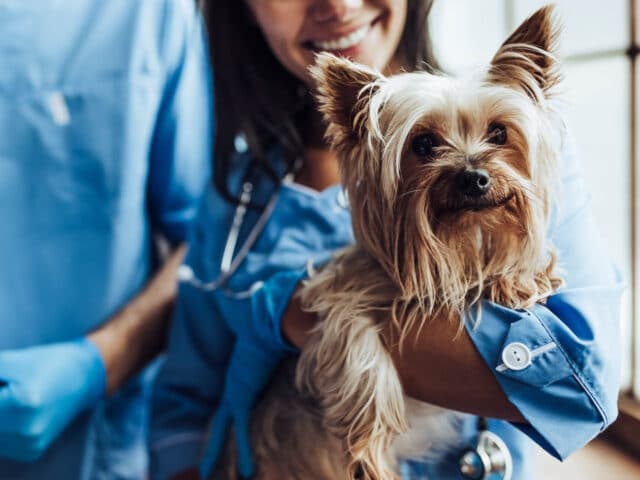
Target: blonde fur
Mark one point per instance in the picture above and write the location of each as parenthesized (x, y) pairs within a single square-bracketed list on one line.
[(423, 253)]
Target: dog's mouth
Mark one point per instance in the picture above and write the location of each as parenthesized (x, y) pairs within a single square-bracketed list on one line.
[(469, 204), (477, 205)]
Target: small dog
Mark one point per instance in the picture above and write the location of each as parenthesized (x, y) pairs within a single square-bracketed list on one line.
[(450, 184)]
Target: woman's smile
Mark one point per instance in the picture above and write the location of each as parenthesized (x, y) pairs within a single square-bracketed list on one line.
[(366, 31), (343, 44)]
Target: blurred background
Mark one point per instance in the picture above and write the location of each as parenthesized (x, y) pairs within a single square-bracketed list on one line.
[(599, 51)]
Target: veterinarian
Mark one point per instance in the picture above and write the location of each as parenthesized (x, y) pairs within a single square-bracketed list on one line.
[(546, 376), (105, 114)]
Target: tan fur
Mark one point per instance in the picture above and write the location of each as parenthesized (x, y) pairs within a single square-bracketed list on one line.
[(421, 253)]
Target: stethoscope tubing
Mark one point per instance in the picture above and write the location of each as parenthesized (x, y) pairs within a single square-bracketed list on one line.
[(230, 263)]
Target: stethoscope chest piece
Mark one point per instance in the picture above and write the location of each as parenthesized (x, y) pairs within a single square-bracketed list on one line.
[(490, 460)]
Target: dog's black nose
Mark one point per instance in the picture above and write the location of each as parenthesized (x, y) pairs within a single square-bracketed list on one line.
[(474, 182)]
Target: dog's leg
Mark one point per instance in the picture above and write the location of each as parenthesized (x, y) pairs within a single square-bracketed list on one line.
[(523, 291), (346, 367)]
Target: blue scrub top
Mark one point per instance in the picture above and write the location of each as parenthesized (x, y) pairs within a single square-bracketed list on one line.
[(105, 113), (568, 393)]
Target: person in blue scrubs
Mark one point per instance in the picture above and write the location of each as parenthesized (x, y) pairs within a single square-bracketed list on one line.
[(276, 205), (105, 114)]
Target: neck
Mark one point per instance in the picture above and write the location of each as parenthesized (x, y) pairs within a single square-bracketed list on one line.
[(320, 169)]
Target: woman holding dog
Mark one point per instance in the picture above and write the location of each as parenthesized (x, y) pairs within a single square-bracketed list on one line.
[(276, 205)]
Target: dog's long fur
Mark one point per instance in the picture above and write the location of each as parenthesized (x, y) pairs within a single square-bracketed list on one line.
[(422, 251)]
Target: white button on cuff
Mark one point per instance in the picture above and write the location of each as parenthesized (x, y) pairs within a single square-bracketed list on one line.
[(516, 356)]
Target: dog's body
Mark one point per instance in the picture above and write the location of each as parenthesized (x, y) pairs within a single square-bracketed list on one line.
[(450, 185), (294, 440)]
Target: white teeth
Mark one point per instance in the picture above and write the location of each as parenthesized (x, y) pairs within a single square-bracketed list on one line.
[(345, 42)]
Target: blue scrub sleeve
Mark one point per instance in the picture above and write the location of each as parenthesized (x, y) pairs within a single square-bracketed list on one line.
[(558, 363), (181, 147)]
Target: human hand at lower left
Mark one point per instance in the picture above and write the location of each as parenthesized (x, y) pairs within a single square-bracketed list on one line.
[(42, 389)]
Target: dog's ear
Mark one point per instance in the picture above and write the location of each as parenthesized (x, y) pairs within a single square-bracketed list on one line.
[(526, 60), (343, 89)]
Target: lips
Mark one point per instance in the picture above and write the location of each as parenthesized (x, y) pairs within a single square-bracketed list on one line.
[(343, 42)]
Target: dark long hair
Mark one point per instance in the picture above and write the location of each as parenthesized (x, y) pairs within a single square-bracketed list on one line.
[(255, 95)]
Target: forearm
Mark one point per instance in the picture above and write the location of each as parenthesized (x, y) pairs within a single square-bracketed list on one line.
[(136, 334), (438, 365)]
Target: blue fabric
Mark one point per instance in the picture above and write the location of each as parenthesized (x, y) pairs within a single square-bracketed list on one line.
[(255, 356), (35, 405), (105, 109), (568, 393)]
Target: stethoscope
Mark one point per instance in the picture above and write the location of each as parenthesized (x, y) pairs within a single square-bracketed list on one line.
[(230, 260), (230, 263), (490, 459)]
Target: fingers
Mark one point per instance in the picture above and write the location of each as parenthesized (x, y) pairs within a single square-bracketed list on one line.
[(216, 441), (215, 446), (243, 439)]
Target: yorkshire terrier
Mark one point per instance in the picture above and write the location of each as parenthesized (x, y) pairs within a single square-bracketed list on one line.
[(450, 184)]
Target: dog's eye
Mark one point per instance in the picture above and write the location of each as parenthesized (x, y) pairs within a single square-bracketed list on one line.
[(423, 144), (497, 134)]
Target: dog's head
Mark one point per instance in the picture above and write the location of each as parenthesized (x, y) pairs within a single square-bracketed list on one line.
[(449, 180)]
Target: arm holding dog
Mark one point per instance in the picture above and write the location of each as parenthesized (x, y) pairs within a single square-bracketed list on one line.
[(427, 366)]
